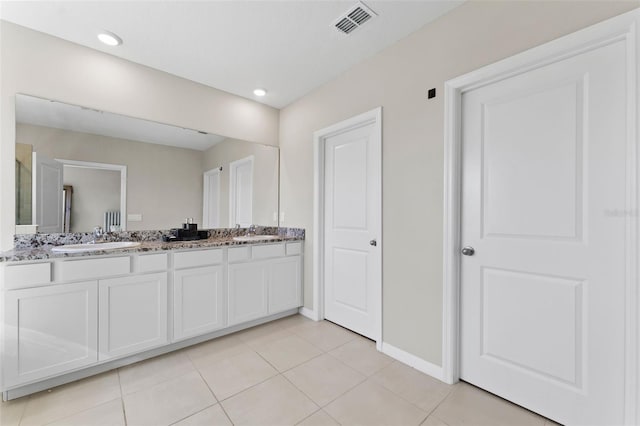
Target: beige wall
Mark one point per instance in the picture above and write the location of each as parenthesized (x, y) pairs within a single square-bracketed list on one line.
[(265, 177), (473, 35), (164, 183), (94, 193), (40, 65)]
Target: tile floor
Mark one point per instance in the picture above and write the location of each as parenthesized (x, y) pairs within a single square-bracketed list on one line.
[(291, 371)]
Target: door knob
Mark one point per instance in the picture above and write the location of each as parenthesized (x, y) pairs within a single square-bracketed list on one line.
[(373, 243), (468, 251)]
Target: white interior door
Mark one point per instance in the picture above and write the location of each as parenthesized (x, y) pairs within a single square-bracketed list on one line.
[(542, 297), (352, 224), (211, 199), (241, 192), (48, 211)]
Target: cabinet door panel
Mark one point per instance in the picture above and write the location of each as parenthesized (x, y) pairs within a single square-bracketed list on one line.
[(49, 330), (247, 291), (133, 314), (284, 284), (198, 301)]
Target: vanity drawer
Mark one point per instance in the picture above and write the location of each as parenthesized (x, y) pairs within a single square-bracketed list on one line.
[(93, 268), (237, 254), (152, 262), (294, 248), (19, 276), (265, 251), (189, 259)]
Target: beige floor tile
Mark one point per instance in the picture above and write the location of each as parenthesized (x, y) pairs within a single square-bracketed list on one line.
[(144, 374), (319, 418), (274, 402), (371, 404), (324, 378), (433, 421), (212, 416), (11, 411), (302, 326), (412, 385), (214, 350), (109, 414), (294, 321), (288, 352), (258, 336), (323, 334), (235, 374), (66, 400), (470, 405), (168, 401), (361, 354)]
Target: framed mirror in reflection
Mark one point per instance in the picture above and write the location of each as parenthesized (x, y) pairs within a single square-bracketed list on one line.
[(78, 168)]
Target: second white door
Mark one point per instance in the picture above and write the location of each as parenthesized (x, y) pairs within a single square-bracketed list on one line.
[(241, 192), (543, 296), (211, 199), (352, 224)]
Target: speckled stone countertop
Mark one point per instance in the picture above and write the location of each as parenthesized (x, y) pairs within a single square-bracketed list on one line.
[(41, 244)]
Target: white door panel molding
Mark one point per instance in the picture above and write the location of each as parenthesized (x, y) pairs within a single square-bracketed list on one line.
[(549, 185)]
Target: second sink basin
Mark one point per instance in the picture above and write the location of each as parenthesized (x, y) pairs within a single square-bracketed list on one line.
[(76, 248), (255, 237)]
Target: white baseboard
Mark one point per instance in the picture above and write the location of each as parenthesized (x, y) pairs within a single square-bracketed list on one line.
[(419, 364), (306, 312)]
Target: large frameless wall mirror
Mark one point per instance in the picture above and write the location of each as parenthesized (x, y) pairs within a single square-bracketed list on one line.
[(78, 168)]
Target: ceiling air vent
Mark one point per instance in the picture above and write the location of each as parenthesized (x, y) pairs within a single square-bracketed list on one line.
[(354, 18)]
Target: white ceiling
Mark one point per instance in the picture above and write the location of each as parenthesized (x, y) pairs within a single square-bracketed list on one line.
[(44, 112), (286, 47)]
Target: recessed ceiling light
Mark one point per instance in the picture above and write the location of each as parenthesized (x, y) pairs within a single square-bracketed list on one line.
[(259, 92), (109, 38)]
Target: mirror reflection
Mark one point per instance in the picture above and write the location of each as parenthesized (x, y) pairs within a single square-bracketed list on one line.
[(78, 168)]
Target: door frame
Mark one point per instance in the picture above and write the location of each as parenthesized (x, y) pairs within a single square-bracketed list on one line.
[(232, 187), (319, 140), (205, 197), (122, 169), (623, 28), (37, 209)]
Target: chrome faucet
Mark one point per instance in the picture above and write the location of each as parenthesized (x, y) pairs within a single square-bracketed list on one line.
[(98, 234), (251, 230)]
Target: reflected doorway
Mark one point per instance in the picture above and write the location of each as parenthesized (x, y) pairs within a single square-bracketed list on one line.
[(211, 199)]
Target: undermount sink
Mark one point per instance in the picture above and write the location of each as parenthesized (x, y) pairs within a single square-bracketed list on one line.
[(256, 237), (77, 248)]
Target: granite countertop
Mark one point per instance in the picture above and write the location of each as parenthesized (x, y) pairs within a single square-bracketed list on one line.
[(44, 252)]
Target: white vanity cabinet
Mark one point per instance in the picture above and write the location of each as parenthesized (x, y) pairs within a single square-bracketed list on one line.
[(49, 330), (264, 280), (132, 314), (67, 318), (199, 304)]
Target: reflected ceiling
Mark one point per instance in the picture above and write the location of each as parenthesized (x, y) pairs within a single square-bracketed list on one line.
[(59, 115)]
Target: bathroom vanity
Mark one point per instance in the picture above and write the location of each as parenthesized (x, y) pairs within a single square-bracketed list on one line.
[(71, 315)]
